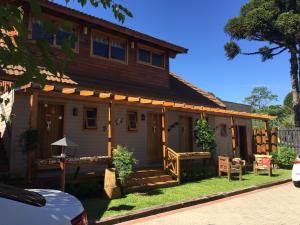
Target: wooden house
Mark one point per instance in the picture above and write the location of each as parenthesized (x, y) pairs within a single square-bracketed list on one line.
[(118, 91)]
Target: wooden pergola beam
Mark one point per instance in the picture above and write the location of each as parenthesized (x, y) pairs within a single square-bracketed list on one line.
[(68, 90), (105, 95), (86, 93), (124, 99)]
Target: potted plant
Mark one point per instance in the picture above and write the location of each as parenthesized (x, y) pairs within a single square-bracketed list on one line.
[(116, 177)]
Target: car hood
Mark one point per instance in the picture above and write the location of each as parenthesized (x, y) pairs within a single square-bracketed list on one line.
[(60, 206)]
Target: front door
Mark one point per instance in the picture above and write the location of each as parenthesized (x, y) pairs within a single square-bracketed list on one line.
[(154, 137), (242, 142), (185, 134), (50, 128)]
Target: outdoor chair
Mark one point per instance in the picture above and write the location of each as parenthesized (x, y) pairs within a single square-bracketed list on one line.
[(262, 162), (231, 167)]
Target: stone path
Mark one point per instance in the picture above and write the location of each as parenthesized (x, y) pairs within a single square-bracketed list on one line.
[(279, 205)]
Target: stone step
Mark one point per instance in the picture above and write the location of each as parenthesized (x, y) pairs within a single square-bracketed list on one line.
[(149, 186), (144, 180)]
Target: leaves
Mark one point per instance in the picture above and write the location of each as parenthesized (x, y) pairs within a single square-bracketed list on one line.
[(124, 161), (260, 97), (204, 136), (232, 49)]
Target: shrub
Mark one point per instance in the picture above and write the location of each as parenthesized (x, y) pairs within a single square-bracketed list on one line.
[(124, 161), (284, 156), (204, 136)]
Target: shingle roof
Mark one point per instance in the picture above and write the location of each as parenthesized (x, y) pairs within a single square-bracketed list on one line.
[(200, 91), (19, 70)]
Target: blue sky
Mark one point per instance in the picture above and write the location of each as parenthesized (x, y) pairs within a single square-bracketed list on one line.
[(199, 26)]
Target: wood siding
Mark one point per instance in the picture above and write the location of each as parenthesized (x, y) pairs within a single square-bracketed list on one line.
[(89, 67)]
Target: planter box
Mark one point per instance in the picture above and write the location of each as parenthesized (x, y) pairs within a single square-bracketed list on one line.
[(194, 155)]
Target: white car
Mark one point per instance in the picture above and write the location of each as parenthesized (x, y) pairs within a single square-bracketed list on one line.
[(39, 207), (296, 172)]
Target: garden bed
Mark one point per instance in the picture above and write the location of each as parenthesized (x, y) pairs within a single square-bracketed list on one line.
[(99, 207)]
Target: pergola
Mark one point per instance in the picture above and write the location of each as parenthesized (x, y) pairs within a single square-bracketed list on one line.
[(79, 93)]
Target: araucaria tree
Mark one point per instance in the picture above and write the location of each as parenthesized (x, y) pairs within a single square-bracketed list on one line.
[(276, 24)]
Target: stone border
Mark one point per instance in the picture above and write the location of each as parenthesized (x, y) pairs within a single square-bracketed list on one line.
[(136, 214)]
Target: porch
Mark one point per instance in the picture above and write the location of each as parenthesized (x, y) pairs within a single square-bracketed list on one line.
[(158, 153)]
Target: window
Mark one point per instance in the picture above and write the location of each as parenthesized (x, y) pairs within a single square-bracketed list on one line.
[(223, 130), (117, 50), (108, 47), (90, 118), (57, 39), (151, 58), (100, 47), (62, 35), (132, 120), (144, 56), (38, 32), (157, 60)]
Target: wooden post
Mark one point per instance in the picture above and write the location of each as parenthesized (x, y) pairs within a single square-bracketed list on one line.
[(274, 140), (33, 110), (110, 129), (233, 136), (33, 125), (163, 136), (178, 170), (266, 134), (62, 165)]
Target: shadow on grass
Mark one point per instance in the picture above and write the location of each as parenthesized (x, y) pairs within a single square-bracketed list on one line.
[(121, 208), (152, 192)]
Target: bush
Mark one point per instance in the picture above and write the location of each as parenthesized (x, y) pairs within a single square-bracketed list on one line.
[(204, 136), (194, 174), (284, 157), (124, 161)]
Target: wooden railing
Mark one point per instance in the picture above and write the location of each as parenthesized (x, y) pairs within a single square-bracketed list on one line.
[(173, 163), (173, 159)]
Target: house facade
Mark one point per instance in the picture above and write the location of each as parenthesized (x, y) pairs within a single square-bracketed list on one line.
[(118, 91)]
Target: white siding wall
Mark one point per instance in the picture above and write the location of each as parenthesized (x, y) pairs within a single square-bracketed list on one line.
[(21, 110), (136, 141), (94, 142)]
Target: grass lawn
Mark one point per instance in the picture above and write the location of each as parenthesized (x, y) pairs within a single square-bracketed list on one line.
[(99, 207)]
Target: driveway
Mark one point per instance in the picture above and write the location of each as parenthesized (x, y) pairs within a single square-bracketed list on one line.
[(278, 205)]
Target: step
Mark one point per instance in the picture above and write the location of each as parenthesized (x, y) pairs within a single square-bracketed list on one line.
[(147, 173), (149, 186), (144, 180)]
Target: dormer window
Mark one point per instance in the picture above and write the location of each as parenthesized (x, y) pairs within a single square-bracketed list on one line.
[(105, 46), (151, 58)]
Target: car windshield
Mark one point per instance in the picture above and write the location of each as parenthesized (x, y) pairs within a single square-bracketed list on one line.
[(21, 195)]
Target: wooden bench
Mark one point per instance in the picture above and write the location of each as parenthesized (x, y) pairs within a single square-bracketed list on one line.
[(234, 166), (262, 162)]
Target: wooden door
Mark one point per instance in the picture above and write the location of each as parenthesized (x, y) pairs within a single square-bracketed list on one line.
[(50, 128), (185, 134), (154, 138), (242, 133)]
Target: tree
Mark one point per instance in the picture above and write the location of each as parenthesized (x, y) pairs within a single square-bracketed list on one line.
[(260, 97), (276, 25), (14, 47), (288, 103)]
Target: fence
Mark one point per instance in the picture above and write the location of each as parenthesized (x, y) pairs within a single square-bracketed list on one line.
[(290, 137), (265, 141)]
